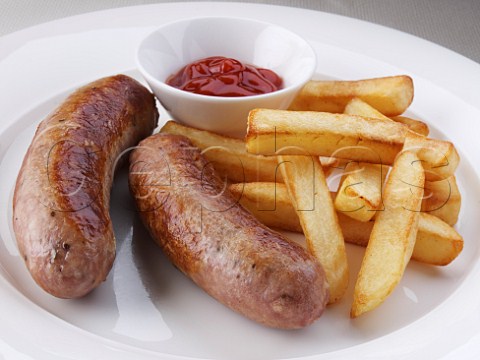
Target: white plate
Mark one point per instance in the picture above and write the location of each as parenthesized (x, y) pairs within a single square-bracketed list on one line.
[(147, 309)]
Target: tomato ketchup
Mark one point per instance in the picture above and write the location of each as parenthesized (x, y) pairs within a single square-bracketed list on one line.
[(222, 76)]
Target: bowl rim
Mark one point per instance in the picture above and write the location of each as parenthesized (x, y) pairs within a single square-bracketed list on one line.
[(201, 97)]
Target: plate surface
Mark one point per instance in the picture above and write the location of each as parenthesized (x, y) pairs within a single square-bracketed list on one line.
[(147, 308)]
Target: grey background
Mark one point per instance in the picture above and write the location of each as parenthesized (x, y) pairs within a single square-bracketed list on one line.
[(454, 24)]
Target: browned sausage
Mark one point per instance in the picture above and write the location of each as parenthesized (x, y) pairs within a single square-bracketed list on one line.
[(61, 201), (217, 243)]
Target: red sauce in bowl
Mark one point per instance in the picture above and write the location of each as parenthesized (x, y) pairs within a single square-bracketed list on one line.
[(221, 76)]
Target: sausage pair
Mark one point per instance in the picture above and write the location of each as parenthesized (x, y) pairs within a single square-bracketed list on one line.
[(64, 231)]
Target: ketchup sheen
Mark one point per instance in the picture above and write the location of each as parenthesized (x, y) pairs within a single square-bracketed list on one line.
[(221, 76)]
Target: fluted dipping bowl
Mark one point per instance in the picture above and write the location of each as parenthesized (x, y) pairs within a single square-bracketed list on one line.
[(174, 45)]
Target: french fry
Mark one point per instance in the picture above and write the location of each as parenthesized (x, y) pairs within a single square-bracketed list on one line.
[(357, 106), (437, 242), (439, 158), (345, 136), (269, 202), (308, 191), (415, 125), (228, 155), (324, 134), (393, 236), (389, 95), (436, 150), (329, 164), (442, 199), (360, 192)]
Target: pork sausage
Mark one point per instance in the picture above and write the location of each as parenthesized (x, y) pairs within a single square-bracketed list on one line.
[(217, 243), (61, 201)]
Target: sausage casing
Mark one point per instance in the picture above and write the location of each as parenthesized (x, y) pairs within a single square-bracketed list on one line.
[(212, 239), (61, 201)]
